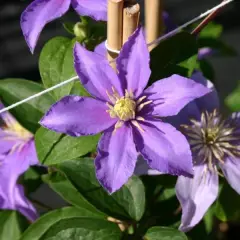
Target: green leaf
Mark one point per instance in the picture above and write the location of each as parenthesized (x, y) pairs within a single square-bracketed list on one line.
[(171, 52), (190, 65), (164, 233), (233, 100), (31, 179), (128, 202), (73, 224), (53, 148), (56, 65), (212, 30), (226, 210), (12, 225), (68, 26), (207, 69), (208, 219), (60, 184), (29, 113)]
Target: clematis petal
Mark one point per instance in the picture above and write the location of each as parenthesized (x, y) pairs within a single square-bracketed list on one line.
[(95, 73), (7, 139), (116, 158), (133, 63), (169, 26), (5, 145), (231, 171), (96, 9), (37, 15), (196, 196), (164, 148), (12, 166), (77, 116), (210, 101), (205, 52), (168, 23), (101, 49), (142, 168), (194, 109), (23, 205), (171, 94)]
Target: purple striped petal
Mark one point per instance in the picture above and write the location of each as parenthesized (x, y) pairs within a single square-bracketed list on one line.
[(12, 166), (196, 196), (95, 73), (231, 171), (133, 63), (171, 94), (96, 9), (6, 145), (37, 15), (116, 158), (164, 148), (77, 116)]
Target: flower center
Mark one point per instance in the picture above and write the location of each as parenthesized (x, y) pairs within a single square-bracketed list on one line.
[(211, 135), (212, 139), (124, 108)]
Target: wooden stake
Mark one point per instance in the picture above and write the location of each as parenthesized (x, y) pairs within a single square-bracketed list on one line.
[(154, 24), (114, 27), (131, 13)]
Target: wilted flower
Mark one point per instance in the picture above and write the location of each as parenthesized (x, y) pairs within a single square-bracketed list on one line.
[(215, 147), (17, 154), (41, 12), (128, 115)]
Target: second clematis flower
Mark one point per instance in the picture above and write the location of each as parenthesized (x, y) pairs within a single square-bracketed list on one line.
[(215, 147), (41, 12), (17, 154), (128, 114)]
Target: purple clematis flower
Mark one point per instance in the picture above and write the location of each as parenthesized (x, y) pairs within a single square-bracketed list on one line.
[(17, 153), (41, 12), (215, 147), (128, 115)]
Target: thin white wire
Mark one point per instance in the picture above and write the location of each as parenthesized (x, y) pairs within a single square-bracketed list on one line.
[(38, 94), (175, 31), (152, 43)]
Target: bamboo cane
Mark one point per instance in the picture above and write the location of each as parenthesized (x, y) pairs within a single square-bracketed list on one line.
[(131, 13), (114, 28), (154, 24)]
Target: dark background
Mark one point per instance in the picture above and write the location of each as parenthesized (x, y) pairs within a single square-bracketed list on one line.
[(17, 61)]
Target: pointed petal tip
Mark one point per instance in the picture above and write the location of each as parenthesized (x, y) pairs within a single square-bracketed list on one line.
[(25, 35), (183, 228), (37, 14), (116, 159)]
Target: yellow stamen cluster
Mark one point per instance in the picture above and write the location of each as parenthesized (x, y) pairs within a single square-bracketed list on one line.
[(14, 129), (125, 108)]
